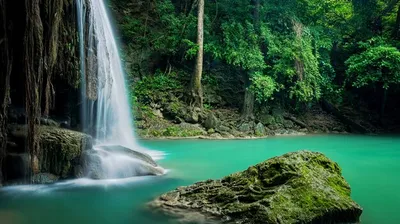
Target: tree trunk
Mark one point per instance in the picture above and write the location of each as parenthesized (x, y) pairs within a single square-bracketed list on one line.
[(196, 89), (383, 104), (396, 30), (5, 71), (248, 103), (33, 65)]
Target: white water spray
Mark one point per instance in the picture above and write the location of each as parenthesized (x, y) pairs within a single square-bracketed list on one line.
[(106, 113), (113, 120)]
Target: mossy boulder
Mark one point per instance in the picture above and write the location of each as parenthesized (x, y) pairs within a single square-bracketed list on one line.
[(211, 121), (267, 119), (59, 150), (247, 127), (298, 187), (260, 129), (288, 124)]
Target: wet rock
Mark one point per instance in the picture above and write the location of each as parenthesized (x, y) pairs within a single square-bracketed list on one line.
[(279, 119), (157, 113), (211, 121), (211, 95), (288, 124), (175, 110), (44, 178), (48, 122), (115, 161), (118, 149), (303, 130), (195, 129), (260, 129), (237, 133), (273, 127), (223, 128), (298, 187), (59, 148), (216, 136), (247, 128), (192, 116), (227, 135), (267, 119)]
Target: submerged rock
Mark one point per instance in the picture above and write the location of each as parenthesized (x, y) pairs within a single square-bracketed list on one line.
[(115, 161), (298, 187), (44, 178)]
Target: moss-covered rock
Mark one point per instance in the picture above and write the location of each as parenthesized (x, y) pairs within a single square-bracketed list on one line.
[(267, 119), (259, 129), (298, 187), (211, 121), (59, 149), (288, 124), (247, 127)]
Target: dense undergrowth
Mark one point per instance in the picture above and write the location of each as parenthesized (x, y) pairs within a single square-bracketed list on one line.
[(291, 55)]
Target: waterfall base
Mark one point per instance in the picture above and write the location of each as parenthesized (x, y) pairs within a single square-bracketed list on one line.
[(115, 161)]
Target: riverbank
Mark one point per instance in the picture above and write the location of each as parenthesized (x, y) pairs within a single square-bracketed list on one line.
[(156, 122)]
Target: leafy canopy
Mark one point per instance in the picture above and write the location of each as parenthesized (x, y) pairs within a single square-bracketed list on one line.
[(377, 64)]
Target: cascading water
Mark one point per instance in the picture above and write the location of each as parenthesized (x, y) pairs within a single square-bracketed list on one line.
[(105, 106)]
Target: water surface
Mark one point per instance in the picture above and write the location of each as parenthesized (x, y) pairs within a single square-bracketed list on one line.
[(370, 164)]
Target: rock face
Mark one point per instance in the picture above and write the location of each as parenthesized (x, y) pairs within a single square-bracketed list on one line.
[(115, 161), (59, 151), (298, 187)]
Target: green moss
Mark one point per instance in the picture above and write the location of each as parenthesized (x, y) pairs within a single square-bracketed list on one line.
[(59, 147), (301, 187)]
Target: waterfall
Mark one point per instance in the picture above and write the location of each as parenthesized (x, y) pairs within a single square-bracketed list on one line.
[(106, 113), (103, 78)]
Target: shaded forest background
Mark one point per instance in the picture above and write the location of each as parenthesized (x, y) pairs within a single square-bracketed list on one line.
[(262, 56)]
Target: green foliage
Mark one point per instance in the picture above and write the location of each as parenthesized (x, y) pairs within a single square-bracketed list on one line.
[(208, 106), (156, 88), (294, 62), (241, 47), (263, 87), (377, 64), (297, 50)]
